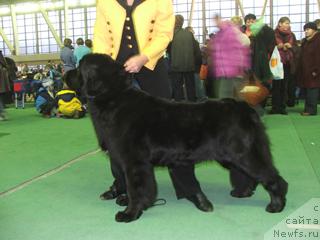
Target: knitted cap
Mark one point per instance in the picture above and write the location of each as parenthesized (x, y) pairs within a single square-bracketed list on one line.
[(311, 25)]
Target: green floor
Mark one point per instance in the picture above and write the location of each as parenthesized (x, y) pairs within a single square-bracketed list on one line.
[(66, 206)]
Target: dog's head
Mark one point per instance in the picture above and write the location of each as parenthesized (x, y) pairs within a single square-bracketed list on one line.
[(99, 74)]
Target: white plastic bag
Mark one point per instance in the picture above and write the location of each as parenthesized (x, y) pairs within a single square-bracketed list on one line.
[(276, 66)]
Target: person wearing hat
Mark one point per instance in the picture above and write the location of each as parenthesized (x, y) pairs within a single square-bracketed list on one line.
[(309, 70)]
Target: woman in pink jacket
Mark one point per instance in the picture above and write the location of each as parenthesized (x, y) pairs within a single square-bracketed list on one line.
[(231, 57)]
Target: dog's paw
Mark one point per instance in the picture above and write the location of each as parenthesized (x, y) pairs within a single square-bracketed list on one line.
[(127, 217), (122, 200), (277, 205), (241, 194)]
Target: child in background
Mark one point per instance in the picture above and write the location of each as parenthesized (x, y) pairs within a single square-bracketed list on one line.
[(68, 103)]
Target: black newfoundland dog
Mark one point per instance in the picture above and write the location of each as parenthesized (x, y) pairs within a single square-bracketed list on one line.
[(143, 131)]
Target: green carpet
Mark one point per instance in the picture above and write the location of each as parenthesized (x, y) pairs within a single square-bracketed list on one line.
[(31, 145), (66, 205)]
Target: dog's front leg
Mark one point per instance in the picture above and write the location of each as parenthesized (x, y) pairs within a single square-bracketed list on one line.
[(118, 188), (142, 191)]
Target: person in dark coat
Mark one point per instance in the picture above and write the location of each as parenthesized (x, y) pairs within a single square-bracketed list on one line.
[(309, 70), (199, 87), (12, 70), (182, 62), (4, 84), (262, 43)]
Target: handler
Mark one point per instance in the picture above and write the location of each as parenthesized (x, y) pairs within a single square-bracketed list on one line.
[(136, 33)]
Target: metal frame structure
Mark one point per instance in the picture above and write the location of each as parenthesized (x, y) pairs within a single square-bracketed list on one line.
[(66, 7)]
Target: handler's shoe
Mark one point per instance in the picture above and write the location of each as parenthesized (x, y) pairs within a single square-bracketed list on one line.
[(201, 202), (112, 193)]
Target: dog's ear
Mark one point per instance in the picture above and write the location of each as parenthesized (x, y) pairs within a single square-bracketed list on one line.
[(93, 83)]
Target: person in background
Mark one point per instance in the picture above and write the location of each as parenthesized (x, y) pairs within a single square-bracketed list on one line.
[(317, 21), (309, 68), (207, 61), (45, 103), (39, 75), (66, 55), (182, 62), (68, 103), (200, 91), (231, 58), (59, 68), (244, 39), (4, 84), (49, 64), (147, 29), (262, 44), (80, 51), (249, 19), (293, 90), (12, 74), (88, 43), (285, 40), (24, 69)]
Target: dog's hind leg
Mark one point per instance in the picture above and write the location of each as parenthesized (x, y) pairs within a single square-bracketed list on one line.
[(266, 174), (257, 163), (274, 184), (277, 188), (142, 191), (243, 185)]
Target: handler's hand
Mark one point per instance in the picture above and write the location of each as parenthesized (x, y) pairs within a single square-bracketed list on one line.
[(288, 45), (280, 45), (135, 63)]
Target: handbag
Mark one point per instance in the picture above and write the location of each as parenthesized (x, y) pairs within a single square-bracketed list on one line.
[(276, 66), (203, 72), (253, 91)]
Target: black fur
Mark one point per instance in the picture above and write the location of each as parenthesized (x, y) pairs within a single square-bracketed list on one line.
[(143, 131)]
